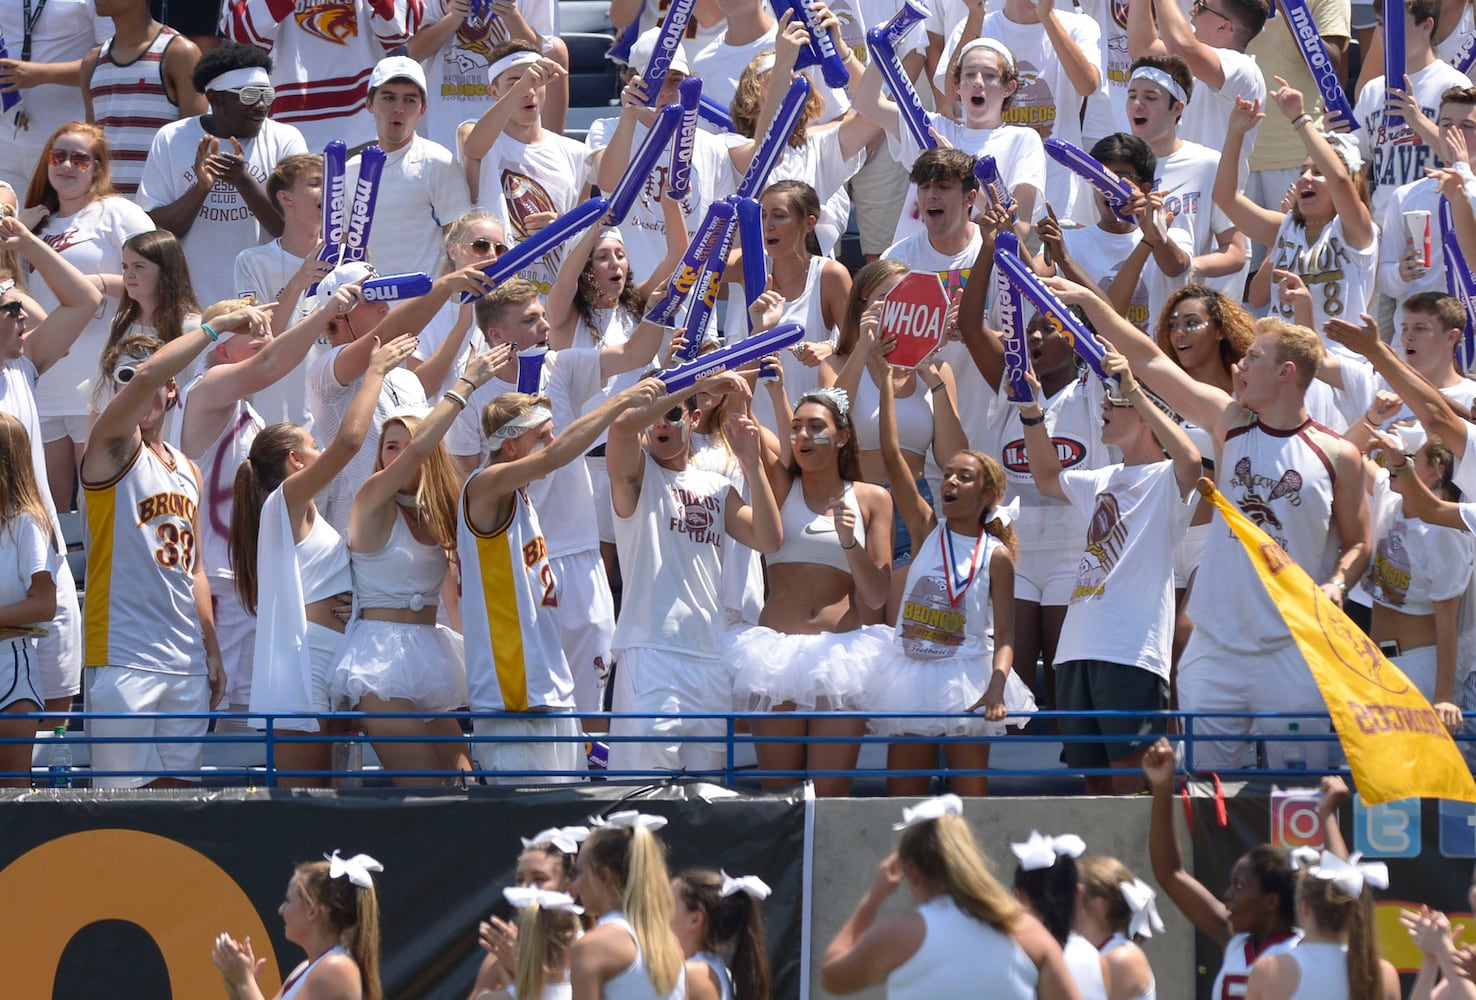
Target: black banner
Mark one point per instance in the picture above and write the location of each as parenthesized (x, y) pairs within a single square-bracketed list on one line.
[(122, 894)]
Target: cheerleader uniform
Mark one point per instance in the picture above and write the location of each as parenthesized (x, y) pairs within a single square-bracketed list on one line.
[(823, 670), (1117, 941), (720, 972), (294, 659), (1240, 955), (957, 955), (1084, 963), (942, 654), (1324, 968), (294, 984), (422, 664), (635, 983), (914, 432)]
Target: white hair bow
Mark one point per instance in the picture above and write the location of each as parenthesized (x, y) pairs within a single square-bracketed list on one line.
[(1305, 857), (1005, 514), (521, 898), (1041, 851), (357, 868), (929, 809), (566, 838), (629, 819), (751, 884), (1350, 875), (1140, 899)]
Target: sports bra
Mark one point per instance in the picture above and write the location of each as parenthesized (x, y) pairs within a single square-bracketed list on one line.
[(323, 562), (914, 417), (810, 537), (404, 574)]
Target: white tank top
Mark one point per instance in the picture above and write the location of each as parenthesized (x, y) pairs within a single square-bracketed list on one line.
[(743, 569), (323, 562), (807, 308), (1324, 966), (914, 417), (1283, 481), (1117, 941), (1084, 963), (404, 574), (930, 624), (294, 985), (719, 972), (1240, 954), (810, 537), (510, 609), (635, 983), (218, 467), (959, 954)]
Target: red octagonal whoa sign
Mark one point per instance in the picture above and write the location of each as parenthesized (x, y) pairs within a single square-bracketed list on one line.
[(914, 314)]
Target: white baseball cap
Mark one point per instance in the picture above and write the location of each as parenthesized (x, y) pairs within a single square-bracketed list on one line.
[(645, 45), (398, 68), (342, 275)]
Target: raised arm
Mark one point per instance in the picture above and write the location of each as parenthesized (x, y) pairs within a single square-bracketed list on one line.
[(1142, 32), (1207, 913), (1180, 40), (615, 157), (917, 514), (559, 309), (866, 95), (77, 296), (756, 523), (948, 434), (983, 344), (494, 120), (1260, 224), (1357, 221), (1082, 70), (1188, 463)]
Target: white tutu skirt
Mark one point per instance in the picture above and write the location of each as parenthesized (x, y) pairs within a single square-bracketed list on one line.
[(423, 664), (814, 672), (900, 683)]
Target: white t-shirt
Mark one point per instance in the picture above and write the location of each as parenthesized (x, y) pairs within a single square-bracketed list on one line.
[(422, 190), (518, 179), (1340, 277), (1188, 177), (92, 242), (721, 65), (263, 271), (224, 224), (1206, 119), (1016, 149), (644, 230), (1101, 254), (329, 402), (1107, 112), (1398, 155), (920, 255), (64, 31), (1122, 607), (25, 550)]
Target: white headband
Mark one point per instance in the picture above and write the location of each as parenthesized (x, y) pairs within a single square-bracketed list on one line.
[(993, 45), (510, 61), (930, 809), (520, 425), (1041, 851), (1155, 75), (610, 233), (235, 79), (357, 868)]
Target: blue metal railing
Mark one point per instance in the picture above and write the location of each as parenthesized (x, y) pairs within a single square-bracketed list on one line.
[(264, 769)]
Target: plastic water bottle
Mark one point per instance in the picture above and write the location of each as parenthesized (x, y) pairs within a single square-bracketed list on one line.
[(1295, 756), (348, 761), (58, 760)]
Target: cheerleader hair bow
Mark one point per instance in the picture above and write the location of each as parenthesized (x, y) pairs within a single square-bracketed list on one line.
[(1140, 900), (357, 868), (1350, 876), (1305, 857), (566, 838), (1041, 851), (521, 898), (629, 819), (929, 809), (1005, 514), (751, 884)]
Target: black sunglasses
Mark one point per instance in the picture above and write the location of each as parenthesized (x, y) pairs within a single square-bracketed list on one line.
[(674, 415), (12, 308)]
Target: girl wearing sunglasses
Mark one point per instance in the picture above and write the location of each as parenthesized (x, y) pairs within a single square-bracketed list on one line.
[(477, 237), (70, 204)]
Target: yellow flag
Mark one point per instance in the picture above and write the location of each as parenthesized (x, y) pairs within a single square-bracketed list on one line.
[(1396, 745)]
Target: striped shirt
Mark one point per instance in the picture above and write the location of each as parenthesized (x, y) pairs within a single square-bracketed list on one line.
[(131, 103)]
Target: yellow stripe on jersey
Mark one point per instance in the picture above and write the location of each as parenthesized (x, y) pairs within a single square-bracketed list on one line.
[(100, 505), (504, 625)]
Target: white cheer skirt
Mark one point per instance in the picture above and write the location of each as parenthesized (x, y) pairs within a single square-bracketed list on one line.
[(423, 664), (900, 683), (827, 670)]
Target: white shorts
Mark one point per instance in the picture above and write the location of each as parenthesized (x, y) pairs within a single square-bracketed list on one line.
[(515, 757), (71, 425), (665, 685), (1212, 678), (59, 651), (604, 513), (130, 690), (1420, 666), (586, 635), (19, 675), (1051, 542), (235, 632)]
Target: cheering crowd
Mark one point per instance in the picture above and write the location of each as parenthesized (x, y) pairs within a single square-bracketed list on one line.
[(313, 482)]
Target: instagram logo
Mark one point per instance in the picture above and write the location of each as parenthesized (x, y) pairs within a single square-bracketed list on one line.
[(1294, 821)]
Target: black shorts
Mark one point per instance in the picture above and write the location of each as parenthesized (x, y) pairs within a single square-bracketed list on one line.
[(1096, 686)]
